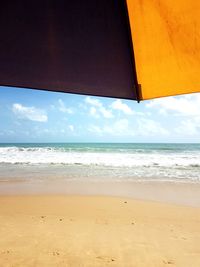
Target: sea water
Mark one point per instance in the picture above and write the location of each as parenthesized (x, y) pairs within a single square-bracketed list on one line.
[(101, 161)]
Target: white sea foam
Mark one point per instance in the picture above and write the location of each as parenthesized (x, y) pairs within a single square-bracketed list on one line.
[(130, 163), (49, 155)]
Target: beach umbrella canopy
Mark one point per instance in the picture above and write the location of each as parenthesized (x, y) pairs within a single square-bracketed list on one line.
[(133, 49)]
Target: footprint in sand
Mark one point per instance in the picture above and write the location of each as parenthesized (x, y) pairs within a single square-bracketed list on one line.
[(5, 252), (184, 238), (106, 259), (55, 253), (168, 262)]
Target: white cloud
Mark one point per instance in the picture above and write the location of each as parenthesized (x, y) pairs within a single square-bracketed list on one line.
[(71, 127), (93, 101), (98, 108), (93, 112), (188, 105), (106, 112), (52, 107), (118, 128), (29, 113), (123, 128), (95, 129), (47, 131), (146, 127), (119, 105), (62, 107), (188, 127)]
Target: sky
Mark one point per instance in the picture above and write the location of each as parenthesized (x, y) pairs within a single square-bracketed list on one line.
[(38, 116)]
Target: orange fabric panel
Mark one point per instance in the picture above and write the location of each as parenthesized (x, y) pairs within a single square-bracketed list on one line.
[(166, 40)]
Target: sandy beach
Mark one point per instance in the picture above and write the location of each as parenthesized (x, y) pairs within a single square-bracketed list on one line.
[(88, 205), (88, 230)]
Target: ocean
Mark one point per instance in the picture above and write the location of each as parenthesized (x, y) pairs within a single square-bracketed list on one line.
[(100, 161)]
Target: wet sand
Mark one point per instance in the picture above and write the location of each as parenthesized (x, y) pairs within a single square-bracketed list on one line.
[(52, 229), (181, 193)]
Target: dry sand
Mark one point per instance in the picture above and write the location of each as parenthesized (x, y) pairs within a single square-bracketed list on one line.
[(56, 230)]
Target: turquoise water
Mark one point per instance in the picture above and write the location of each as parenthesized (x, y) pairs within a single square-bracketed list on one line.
[(109, 146), (171, 162)]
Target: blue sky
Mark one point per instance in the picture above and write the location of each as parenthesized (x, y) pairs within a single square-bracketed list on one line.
[(39, 116)]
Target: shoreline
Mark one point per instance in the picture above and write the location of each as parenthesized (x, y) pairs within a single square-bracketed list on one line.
[(185, 194)]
